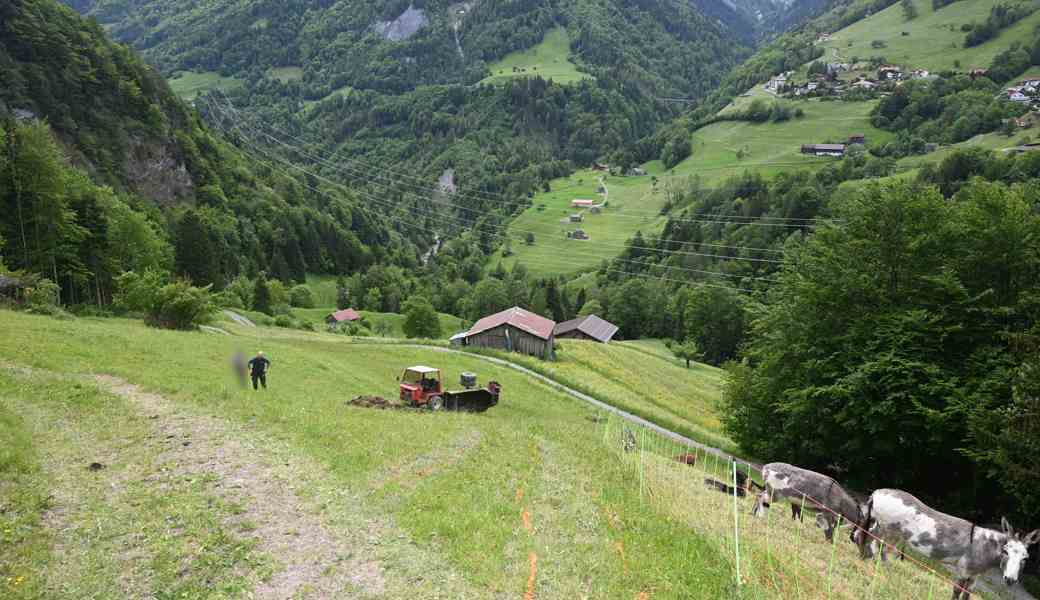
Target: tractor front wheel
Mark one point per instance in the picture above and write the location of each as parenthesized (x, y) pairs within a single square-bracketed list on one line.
[(435, 403)]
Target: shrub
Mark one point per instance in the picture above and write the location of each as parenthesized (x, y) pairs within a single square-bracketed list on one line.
[(301, 296), (177, 305), (44, 295), (420, 319), (284, 321)]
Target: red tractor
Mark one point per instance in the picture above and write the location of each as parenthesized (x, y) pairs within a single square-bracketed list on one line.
[(422, 387)]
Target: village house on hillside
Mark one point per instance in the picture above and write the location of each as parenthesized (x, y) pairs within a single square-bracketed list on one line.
[(836, 150), (514, 330), (590, 328)]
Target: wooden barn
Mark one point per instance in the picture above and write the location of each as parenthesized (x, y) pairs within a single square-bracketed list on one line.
[(343, 316), (514, 330), (590, 328)]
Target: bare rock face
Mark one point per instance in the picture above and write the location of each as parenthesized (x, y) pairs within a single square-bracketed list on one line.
[(155, 172), (404, 26)]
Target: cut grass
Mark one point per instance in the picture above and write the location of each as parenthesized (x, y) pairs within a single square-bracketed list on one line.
[(549, 59), (462, 505), (935, 41), (188, 84), (643, 383)]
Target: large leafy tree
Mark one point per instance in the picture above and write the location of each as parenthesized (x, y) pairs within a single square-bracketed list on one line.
[(886, 342)]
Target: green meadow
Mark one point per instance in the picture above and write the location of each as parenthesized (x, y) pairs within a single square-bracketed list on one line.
[(549, 59), (189, 84), (933, 40)]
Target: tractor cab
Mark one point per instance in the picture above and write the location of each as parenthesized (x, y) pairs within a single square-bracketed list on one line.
[(421, 386)]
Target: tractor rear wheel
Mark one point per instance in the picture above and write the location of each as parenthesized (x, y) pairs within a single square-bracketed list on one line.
[(435, 403)]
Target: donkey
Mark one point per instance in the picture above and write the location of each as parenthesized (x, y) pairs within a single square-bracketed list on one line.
[(967, 549), (816, 492)]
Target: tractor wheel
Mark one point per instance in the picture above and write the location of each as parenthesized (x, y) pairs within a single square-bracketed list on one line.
[(435, 403)]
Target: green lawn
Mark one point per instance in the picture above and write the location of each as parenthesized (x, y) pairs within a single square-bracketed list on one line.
[(188, 84), (935, 39), (450, 324), (550, 59), (285, 74)]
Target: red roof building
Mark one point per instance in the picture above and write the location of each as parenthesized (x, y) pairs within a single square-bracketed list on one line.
[(348, 315), (514, 330)]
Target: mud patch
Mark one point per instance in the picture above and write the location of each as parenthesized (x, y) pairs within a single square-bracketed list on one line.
[(378, 403)]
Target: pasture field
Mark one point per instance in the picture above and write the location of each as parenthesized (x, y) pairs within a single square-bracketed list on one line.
[(204, 489), (549, 59), (642, 382), (446, 494), (189, 84), (634, 203), (934, 41), (450, 324)]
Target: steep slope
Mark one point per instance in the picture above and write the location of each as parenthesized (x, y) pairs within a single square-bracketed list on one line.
[(397, 87), (78, 112)]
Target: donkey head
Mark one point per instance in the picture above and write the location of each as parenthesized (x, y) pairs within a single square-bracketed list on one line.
[(1015, 552)]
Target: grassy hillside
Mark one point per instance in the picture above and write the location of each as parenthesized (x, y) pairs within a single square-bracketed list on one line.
[(453, 490), (202, 488), (934, 41), (633, 204), (550, 59), (643, 382), (189, 84)]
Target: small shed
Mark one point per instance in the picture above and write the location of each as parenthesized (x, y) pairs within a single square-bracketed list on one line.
[(459, 339), (12, 289), (577, 218), (591, 328), (348, 315), (514, 330), (837, 150), (857, 138), (578, 234)]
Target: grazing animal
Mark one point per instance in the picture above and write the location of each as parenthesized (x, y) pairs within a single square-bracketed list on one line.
[(967, 549), (628, 440), (814, 491)]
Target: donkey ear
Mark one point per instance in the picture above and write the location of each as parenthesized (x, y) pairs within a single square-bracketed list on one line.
[(1032, 538), (1008, 529)]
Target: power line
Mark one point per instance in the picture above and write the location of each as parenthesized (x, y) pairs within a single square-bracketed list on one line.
[(601, 268), (425, 187), (623, 247)]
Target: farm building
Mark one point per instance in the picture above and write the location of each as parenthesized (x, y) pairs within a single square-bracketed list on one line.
[(343, 316), (824, 149), (857, 138), (578, 234), (577, 218), (591, 328), (514, 330), (579, 203), (12, 288)]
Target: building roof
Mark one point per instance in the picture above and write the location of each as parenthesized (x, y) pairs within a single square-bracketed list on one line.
[(591, 325), (828, 147), (341, 316), (580, 202), (523, 320), (423, 370)]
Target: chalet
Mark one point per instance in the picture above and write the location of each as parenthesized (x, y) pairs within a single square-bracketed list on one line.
[(577, 218), (889, 73), (514, 330), (1028, 120), (579, 203), (348, 315), (823, 37), (857, 138), (836, 150), (589, 328), (921, 74), (578, 234), (1016, 95), (1032, 85), (865, 84), (976, 73)]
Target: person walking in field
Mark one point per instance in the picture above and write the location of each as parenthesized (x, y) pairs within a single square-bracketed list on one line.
[(239, 368), (258, 367)]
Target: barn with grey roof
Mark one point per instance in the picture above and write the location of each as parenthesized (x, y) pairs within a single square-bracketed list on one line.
[(591, 328)]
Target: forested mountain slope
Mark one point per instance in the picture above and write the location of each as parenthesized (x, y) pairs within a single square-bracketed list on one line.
[(96, 146), (397, 84)]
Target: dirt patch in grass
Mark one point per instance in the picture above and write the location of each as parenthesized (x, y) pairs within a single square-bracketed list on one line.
[(315, 560), (376, 402)]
